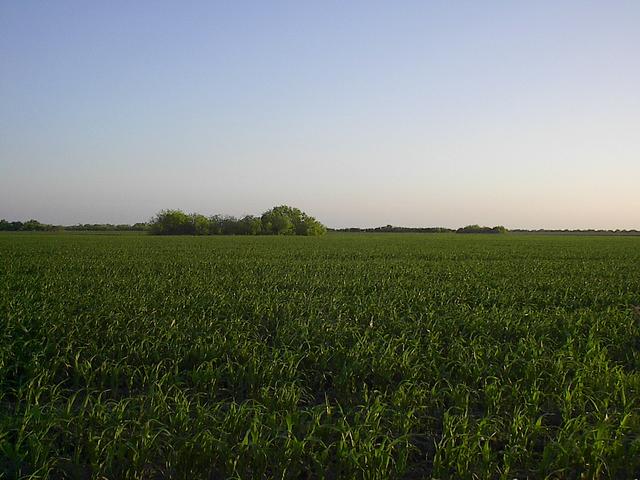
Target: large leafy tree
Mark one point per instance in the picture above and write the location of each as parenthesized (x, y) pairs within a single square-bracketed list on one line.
[(286, 220), (172, 222)]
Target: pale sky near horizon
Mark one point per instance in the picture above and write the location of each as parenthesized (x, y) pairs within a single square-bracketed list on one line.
[(415, 113)]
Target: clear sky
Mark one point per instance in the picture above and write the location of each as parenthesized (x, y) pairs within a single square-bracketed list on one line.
[(412, 113)]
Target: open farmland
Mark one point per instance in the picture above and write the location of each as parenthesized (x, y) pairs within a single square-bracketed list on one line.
[(344, 356)]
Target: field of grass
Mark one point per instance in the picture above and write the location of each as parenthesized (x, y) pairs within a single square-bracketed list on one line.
[(345, 356)]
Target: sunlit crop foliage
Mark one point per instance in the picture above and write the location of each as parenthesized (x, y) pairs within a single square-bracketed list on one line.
[(345, 356)]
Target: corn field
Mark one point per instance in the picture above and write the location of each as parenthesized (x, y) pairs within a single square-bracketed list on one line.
[(356, 356)]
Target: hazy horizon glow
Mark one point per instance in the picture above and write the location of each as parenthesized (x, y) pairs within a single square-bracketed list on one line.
[(362, 114)]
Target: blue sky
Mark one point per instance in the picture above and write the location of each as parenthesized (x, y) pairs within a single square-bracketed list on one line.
[(525, 114)]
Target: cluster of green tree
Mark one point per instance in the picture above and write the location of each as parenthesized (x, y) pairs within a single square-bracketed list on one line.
[(282, 220), (28, 226), (107, 227), (393, 229), (479, 229)]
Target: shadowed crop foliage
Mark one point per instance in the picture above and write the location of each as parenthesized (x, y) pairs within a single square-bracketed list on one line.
[(343, 356)]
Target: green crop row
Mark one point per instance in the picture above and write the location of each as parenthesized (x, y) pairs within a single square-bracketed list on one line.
[(345, 356)]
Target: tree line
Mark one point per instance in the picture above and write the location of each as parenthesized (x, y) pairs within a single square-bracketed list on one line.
[(36, 226), (394, 229), (28, 226), (107, 227), (178, 222), (281, 220)]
